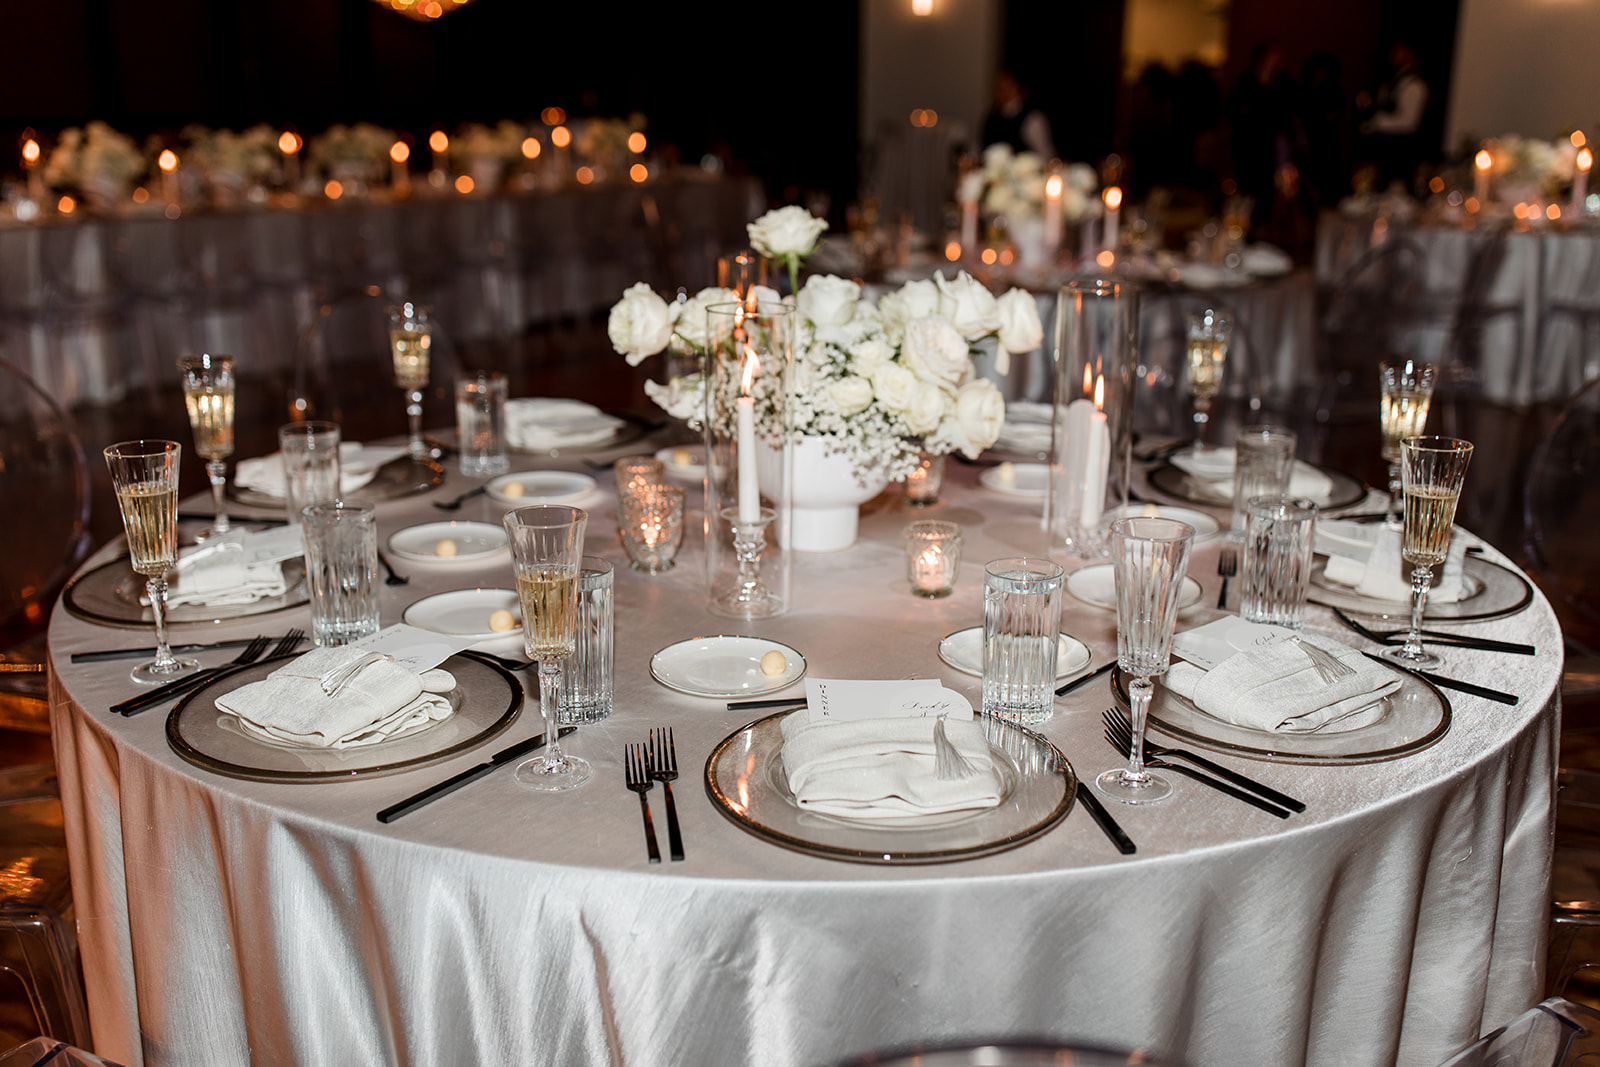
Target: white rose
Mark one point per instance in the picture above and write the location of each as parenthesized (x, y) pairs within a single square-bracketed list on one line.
[(640, 325), (996, 158), (970, 307), (682, 398), (870, 354), (894, 386), (828, 300), (689, 317), (980, 411), (935, 352), (851, 394), (915, 300), (929, 405), (1020, 328), (786, 231), (970, 187)]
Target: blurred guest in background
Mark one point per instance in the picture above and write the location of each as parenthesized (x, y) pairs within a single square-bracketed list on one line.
[(1320, 139), (1393, 134), (1015, 122), (1261, 111)]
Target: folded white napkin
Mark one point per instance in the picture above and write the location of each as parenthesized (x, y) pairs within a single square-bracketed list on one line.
[(535, 423), (214, 575), (358, 464), (381, 701), (1366, 557), (1276, 688), (1028, 427), (883, 768), (1215, 465), (1264, 260)]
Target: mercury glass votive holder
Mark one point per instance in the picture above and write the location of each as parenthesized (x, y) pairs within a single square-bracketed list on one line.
[(923, 483), (652, 530), (634, 472), (933, 553)]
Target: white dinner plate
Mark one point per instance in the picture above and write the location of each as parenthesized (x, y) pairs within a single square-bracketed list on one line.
[(721, 666), (465, 613), (1097, 585), (474, 542), (963, 650), (541, 487), (693, 472), (1205, 527), (1030, 481)]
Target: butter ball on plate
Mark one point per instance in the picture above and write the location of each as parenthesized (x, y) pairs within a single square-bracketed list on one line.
[(501, 621), (445, 548), (773, 663)]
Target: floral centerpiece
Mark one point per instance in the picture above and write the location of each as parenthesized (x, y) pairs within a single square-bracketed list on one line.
[(97, 160), (232, 161), (358, 150), (1524, 167), (604, 142), (879, 384), (500, 142), (1012, 184)]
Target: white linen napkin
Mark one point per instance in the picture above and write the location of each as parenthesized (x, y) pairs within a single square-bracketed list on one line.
[(1028, 427), (358, 464), (1366, 557), (381, 701), (535, 423), (1215, 465), (215, 575), (883, 768), (1276, 688)]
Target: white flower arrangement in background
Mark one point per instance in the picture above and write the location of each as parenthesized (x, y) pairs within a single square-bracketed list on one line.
[(363, 143), (1524, 161), (502, 141), (94, 153), (1013, 184), (251, 154)]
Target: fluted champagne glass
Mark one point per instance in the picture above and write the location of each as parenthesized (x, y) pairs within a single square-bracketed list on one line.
[(411, 344), (1149, 557), (144, 475), (1407, 390), (1209, 335), (547, 557), (1432, 470), (208, 394)]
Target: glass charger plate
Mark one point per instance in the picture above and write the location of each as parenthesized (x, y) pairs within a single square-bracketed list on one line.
[(1418, 715), (406, 476), (746, 783), (110, 594), (1182, 486), (487, 699), (631, 430), (1493, 592)]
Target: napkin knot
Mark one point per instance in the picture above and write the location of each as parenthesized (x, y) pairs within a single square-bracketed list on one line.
[(1276, 687)]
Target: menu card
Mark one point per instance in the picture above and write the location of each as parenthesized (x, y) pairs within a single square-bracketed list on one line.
[(854, 700)]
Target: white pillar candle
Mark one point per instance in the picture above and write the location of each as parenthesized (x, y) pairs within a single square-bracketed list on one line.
[(749, 485), (1113, 201), (1088, 447), (1480, 176), (1052, 217), (1580, 180), (969, 228)]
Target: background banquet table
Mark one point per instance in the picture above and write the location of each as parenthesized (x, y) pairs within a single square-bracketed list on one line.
[(223, 920), (94, 308)]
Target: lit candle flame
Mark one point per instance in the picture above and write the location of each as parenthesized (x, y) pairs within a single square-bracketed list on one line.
[(1052, 187), (399, 151), (1088, 380), (636, 142), (167, 160), (1113, 197), (438, 140), (1585, 159), (1483, 160), (561, 137), (752, 367), (1099, 392), (1578, 139), (289, 142), (30, 151), (531, 147)]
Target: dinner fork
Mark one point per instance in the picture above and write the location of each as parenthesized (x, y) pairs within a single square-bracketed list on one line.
[(1113, 739), (637, 771), (1227, 566), (664, 769), (393, 579), (288, 642), (455, 505), (133, 705), (1117, 722), (1439, 637)]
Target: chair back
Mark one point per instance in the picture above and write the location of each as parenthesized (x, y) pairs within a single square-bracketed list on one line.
[(1561, 511)]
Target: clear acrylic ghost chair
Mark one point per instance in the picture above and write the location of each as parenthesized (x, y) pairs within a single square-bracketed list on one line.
[(1555, 1033), (1024, 1053), (48, 1052)]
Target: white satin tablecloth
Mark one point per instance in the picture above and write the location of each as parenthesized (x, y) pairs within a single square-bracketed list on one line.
[(225, 921)]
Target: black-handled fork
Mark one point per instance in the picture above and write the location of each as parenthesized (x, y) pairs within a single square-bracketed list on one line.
[(1227, 567), (636, 768), (455, 505), (393, 579), (1117, 721), (1436, 637), (664, 769), (1204, 779), (163, 693)]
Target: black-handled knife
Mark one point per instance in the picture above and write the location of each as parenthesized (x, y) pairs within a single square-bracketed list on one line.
[(1078, 683), (144, 653), (1222, 787), (1280, 799), (1451, 683), (1109, 825), (471, 774), (171, 690)]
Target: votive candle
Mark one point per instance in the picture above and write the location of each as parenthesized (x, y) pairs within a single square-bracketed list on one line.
[(933, 554)]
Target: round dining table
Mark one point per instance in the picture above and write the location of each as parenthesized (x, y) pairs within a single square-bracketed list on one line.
[(223, 920)]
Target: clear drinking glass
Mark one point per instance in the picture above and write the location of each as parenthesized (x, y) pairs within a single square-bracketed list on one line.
[(933, 554), (341, 542), (586, 679), (208, 394), (410, 343), (311, 469), (923, 483), (1431, 472), (1278, 539), (1407, 390), (1263, 459), (547, 555), (1021, 618), (481, 425), (1150, 557), (144, 475), (1209, 335), (652, 526)]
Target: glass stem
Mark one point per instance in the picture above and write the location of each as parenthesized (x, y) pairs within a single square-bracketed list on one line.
[(549, 694), (414, 413), (1391, 515), (1140, 691), (217, 471), (1421, 578), (155, 588)]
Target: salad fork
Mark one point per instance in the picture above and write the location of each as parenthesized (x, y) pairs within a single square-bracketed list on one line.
[(664, 769), (133, 705), (637, 771), (1114, 740), (1117, 722)]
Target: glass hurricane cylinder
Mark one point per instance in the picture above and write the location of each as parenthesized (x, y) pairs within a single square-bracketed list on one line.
[(749, 458), (1097, 344)]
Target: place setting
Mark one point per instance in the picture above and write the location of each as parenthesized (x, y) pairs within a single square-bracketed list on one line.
[(313, 454)]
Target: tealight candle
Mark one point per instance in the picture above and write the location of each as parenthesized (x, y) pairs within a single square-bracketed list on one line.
[(652, 527), (922, 484), (933, 553)]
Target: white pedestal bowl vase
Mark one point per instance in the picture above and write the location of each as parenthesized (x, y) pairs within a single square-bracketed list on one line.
[(826, 496)]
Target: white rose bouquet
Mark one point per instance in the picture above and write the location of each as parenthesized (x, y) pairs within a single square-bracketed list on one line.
[(363, 143), (96, 152), (502, 141), (1013, 184), (216, 153), (1523, 162)]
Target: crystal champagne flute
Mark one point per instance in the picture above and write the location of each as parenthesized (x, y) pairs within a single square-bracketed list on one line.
[(410, 342), (208, 394), (1407, 390), (1150, 557), (1431, 472), (144, 475), (547, 556), (1209, 335)]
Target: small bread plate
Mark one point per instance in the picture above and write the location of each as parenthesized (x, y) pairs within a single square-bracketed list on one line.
[(724, 666), (684, 463), (1030, 481), (541, 487), (963, 650), (449, 542), (1097, 585), (466, 613), (1205, 527)]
